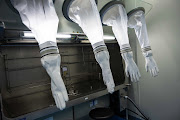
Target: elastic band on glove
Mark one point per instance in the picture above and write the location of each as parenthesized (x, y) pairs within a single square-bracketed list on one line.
[(145, 49), (98, 47), (125, 48), (102, 57), (148, 54), (48, 48)]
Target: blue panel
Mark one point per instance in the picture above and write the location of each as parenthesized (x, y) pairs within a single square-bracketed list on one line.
[(117, 118), (50, 118), (23, 119)]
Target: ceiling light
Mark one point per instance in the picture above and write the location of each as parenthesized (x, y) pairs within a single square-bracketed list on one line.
[(107, 37), (31, 35)]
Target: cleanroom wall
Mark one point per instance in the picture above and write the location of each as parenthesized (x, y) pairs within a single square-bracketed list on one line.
[(159, 97)]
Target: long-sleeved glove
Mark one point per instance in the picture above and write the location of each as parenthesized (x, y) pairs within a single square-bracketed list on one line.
[(150, 65), (102, 57), (131, 68), (86, 15), (50, 59), (40, 17), (137, 21), (115, 16)]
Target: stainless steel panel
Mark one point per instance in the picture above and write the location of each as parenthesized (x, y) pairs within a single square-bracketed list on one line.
[(26, 84), (11, 19), (52, 109)]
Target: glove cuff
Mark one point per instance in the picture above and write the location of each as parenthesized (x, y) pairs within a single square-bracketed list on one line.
[(125, 48), (48, 48), (101, 54), (98, 47), (145, 49), (148, 54), (98, 44), (127, 56)]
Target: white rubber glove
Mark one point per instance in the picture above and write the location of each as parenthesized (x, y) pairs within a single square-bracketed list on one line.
[(150, 65), (52, 65), (50, 59), (86, 15), (40, 17), (116, 17), (102, 57), (137, 21), (131, 68)]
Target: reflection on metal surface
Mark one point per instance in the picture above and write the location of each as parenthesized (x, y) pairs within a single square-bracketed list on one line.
[(14, 36), (108, 37), (31, 35), (26, 85), (66, 36)]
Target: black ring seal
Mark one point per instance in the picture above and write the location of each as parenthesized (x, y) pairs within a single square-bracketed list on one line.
[(65, 8), (135, 10), (107, 7)]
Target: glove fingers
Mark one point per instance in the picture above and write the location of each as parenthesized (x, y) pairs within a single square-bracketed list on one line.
[(126, 71), (63, 90), (155, 72), (111, 80), (112, 84), (157, 69), (61, 100), (139, 74), (57, 102), (108, 80), (137, 77), (110, 88), (65, 95), (131, 77), (60, 96), (151, 72), (134, 77)]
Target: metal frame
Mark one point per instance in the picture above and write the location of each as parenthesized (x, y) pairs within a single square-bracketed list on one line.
[(50, 107), (53, 109)]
